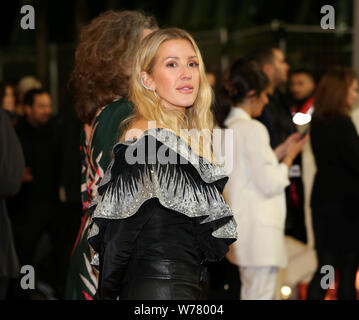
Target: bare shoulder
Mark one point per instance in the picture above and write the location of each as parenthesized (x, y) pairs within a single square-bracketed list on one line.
[(137, 128)]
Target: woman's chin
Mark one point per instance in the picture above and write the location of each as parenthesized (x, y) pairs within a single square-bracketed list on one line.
[(179, 107)]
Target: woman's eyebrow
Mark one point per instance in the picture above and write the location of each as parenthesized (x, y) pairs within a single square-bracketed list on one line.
[(177, 58)]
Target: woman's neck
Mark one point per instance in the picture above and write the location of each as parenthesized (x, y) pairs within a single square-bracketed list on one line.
[(180, 112), (246, 106)]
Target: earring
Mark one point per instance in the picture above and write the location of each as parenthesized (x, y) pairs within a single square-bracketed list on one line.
[(156, 95), (145, 85)]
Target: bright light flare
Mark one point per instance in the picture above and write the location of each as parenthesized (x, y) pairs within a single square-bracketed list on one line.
[(301, 119), (286, 292)]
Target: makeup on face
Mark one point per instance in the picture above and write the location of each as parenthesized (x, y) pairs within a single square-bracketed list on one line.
[(175, 75)]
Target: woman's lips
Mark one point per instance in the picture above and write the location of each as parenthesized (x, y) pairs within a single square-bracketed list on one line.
[(186, 89)]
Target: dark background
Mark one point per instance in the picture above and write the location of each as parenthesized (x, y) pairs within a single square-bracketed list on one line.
[(47, 52)]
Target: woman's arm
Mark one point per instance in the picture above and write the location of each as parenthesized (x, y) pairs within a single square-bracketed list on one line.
[(270, 176), (349, 146), (120, 240)]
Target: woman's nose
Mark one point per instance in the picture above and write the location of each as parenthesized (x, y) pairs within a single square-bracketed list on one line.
[(186, 73)]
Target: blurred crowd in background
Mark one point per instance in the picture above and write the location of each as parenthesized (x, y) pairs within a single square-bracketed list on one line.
[(46, 210)]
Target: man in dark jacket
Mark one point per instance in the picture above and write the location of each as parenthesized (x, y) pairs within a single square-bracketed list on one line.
[(302, 87), (11, 174), (36, 206), (277, 118)]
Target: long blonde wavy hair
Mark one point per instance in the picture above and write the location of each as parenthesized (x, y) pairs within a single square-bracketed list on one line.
[(147, 103)]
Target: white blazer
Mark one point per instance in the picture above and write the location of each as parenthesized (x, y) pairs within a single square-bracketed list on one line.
[(255, 191)]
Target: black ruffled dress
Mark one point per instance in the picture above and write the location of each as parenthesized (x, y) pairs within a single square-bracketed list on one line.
[(158, 216)]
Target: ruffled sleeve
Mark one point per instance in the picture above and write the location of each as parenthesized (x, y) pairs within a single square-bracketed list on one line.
[(161, 165)]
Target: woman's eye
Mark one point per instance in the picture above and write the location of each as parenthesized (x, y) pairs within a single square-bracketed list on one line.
[(193, 64), (171, 64)]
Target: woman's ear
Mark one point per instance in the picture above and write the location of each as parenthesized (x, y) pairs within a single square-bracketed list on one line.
[(251, 93), (147, 81)]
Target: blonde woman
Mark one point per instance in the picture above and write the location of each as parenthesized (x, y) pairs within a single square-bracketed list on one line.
[(159, 213)]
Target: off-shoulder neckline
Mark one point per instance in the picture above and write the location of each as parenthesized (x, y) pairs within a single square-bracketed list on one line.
[(146, 133), (207, 169)]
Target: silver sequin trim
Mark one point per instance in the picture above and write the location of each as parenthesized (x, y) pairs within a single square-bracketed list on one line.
[(173, 191), (207, 170)]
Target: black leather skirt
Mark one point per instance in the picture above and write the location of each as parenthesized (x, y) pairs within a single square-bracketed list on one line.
[(163, 280)]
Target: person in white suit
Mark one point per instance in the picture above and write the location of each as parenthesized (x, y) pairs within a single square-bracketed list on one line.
[(258, 177)]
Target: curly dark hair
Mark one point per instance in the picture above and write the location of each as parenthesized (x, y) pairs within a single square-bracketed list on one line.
[(103, 59)]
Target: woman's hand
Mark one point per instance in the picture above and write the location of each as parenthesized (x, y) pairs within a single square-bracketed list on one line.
[(295, 146), (281, 150)]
